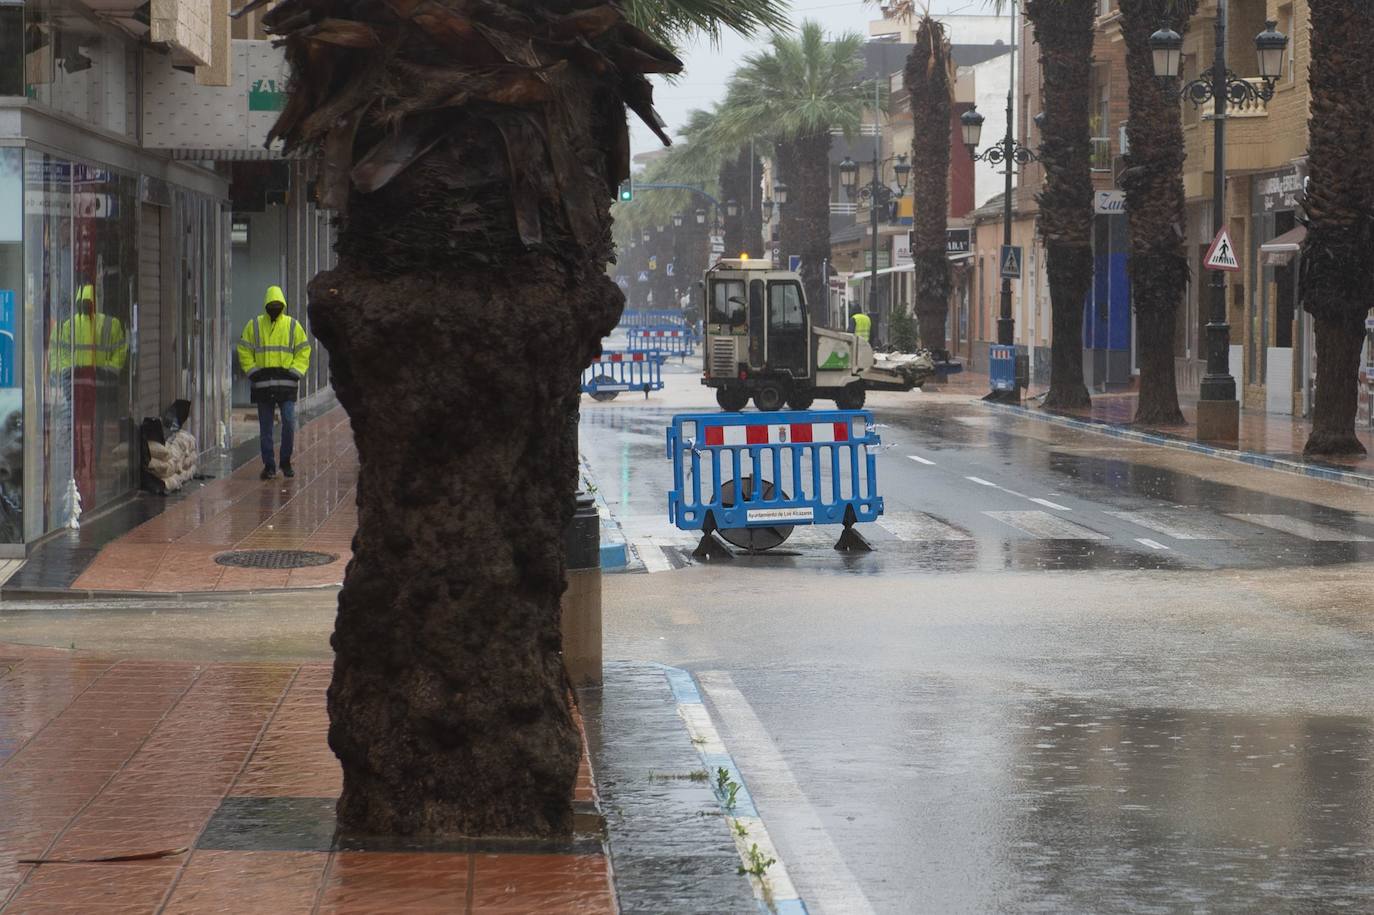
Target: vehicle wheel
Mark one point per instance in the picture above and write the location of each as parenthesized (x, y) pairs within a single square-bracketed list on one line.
[(604, 395), (769, 397), (852, 397), (731, 400), (754, 539), (801, 400)]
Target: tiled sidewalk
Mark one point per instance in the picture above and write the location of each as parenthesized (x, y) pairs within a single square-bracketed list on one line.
[(174, 551), (224, 769)]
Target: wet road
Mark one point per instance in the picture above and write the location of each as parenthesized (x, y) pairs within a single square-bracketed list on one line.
[(1077, 675)]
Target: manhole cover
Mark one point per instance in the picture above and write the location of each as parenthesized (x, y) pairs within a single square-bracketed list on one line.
[(274, 559)]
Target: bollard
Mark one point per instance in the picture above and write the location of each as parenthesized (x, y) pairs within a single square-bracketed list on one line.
[(582, 599)]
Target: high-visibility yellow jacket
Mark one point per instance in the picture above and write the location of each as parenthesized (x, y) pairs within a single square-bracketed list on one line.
[(275, 355), (88, 341), (863, 325)]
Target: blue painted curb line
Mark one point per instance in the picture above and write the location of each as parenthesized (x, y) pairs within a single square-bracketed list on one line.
[(783, 900), (1254, 459)]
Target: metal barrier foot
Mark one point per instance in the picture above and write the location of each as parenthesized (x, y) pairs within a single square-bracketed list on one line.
[(851, 541), (711, 548)]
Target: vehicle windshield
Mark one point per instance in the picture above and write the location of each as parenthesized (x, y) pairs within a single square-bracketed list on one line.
[(728, 304)]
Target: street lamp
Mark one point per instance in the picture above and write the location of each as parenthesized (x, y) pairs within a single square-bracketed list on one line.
[(780, 193), (878, 196), (1218, 411), (701, 216), (768, 209), (732, 208), (677, 220), (1008, 151), (646, 236)]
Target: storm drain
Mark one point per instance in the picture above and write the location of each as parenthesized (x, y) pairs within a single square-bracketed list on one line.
[(274, 559)]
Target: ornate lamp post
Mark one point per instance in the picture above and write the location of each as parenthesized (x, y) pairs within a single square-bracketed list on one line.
[(878, 196), (1218, 411), (1011, 154)]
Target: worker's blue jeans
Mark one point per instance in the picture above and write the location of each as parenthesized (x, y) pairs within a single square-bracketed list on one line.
[(266, 413)]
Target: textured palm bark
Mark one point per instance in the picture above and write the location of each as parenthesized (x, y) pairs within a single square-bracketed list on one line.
[(811, 194), (1064, 32), (789, 214), (928, 86), (1336, 281), (1155, 208)]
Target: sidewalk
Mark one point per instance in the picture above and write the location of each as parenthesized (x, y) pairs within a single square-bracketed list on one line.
[(219, 778), (1264, 437), (151, 546)]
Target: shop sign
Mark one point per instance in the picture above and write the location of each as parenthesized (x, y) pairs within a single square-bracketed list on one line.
[(901, 249), (884, 259), (267, 95), (1279, 191), (958, 241), (1109, 203)]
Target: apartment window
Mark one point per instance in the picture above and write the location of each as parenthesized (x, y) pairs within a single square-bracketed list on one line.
[(1286, 27), (1100, 121)]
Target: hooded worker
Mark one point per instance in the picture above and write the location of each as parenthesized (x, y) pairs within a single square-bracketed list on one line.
[(861, 325), (274, 352), (89, 340)]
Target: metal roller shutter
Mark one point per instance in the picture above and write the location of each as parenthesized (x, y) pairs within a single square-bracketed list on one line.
[(149, 312)]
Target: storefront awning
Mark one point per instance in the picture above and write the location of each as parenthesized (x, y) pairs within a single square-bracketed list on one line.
[(1280, 251)]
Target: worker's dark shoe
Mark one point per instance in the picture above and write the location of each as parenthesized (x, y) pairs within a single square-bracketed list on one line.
[(287, 471), (267, 473)]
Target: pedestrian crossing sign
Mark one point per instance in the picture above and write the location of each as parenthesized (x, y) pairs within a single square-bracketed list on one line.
[(1011, 262), (1222, 254), (644, 276)]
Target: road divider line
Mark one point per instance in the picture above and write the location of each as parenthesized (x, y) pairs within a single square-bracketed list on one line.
[(982, 482), (1048, 504), (774, 891), (1152, 544), (920, 460), (831, 884)]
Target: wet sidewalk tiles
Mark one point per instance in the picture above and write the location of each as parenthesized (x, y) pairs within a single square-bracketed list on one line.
[(147, 546), (218, 781)]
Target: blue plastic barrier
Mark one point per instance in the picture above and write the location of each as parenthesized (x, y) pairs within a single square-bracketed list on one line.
[(614, 372), (1002, 367), (652, 317), (678, 341), (752, 476)]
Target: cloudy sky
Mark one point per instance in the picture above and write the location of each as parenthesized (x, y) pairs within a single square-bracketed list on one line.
[(709, 68)]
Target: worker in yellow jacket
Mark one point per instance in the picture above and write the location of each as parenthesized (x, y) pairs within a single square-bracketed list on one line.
[(274, 352), (89, 340), (861, 325)]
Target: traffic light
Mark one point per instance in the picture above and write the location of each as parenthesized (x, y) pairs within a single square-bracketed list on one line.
[(627, 190)]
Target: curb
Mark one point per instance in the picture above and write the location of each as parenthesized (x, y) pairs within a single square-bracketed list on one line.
[(614, 553), (1253, 458), (775, 893)]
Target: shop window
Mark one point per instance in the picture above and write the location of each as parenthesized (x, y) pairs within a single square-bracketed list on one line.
[(76, 65), (1285, 288), (11, 377)]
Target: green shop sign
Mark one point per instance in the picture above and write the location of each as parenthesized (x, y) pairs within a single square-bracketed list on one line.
[(266, 95)]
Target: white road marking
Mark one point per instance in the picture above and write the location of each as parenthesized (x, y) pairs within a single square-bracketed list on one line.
[(1305, 529), (982, 482), (815, 861), (919, 526), (653, 557), (1048, 504), (1011, 492), (1152, 544), (1046, 526), (920, 460), (1176, 524)]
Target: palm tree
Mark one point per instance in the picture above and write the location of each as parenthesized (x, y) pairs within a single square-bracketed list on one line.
[(740, 181), (796, 92), (1064, 32), (1336, 279), (930, 84), (470, 150), (1155, 207)]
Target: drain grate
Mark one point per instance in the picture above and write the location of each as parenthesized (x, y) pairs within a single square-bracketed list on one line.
[(274, 559)]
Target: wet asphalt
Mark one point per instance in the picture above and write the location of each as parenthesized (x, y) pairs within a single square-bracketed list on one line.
[(1149, 691)]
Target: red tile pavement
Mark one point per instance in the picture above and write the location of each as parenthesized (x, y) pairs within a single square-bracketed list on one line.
[(175, 551), (1273, 434), (125, 757)]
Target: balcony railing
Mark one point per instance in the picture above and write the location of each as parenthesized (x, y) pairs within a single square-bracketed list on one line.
[(1252, 107), (1101, 154)]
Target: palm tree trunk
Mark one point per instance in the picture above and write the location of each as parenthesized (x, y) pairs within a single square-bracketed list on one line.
[(789, 215), (739, 181), (811, 194), (1336, 280), (1155, 204), (1064, 32), (928, 86)]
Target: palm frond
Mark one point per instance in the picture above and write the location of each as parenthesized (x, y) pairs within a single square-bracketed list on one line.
[(673, 21)]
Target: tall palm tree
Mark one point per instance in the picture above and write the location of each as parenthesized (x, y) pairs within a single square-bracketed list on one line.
[(470, 150), (1064, 32), (1336, 279), (1155, 208), (740, 176), (929, 81), (797, 91)]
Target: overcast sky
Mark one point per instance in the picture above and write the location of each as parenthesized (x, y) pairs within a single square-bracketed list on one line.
[(708, 68)]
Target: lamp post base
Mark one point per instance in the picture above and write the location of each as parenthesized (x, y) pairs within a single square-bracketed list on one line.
[(1218, 421)]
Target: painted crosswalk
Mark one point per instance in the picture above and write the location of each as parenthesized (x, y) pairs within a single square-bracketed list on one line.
[(1046, 526), (1178, 524), (1307, 530), (918, 526)]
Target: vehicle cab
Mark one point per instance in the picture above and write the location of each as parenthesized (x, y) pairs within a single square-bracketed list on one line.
[(758, 330)]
